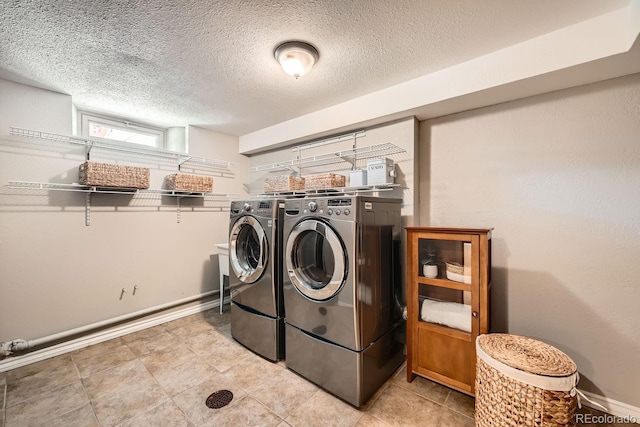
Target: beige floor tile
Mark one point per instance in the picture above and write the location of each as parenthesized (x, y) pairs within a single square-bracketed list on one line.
[(214, 317), (219, 350), (193, 401), (284, 424), (179, 373), (283, 392), (251, 371), (100, 357), (225, 330), (424, 387), (188, 323), (127, 403), (81, 417), (144, 333), (34, 380), (125, 376), (41, 410), (400, 407), (461, 403), (323, 409), (166, 415), (370, 421), (246, 412), (449, 418), (195, 327), (161, 341), (179, 323)]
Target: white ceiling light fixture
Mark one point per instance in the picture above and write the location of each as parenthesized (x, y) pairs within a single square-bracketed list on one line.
[(296, 57)]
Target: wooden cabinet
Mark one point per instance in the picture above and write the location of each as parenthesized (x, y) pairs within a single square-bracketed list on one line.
[(447, 312)]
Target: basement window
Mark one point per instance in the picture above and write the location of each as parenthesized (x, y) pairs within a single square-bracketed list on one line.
[(116, 129)]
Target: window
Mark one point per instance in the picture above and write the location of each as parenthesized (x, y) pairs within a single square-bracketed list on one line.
[(113, 128)]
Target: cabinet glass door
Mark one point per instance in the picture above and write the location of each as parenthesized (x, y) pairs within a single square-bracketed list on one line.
[(445, 276)]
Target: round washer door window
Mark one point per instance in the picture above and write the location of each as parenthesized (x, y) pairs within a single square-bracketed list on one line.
[(248, 249), (316, 260)]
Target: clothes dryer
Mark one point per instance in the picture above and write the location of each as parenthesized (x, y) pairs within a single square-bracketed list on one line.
[(255, 276), (344, 327)]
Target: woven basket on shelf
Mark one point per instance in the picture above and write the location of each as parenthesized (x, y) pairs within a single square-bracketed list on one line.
[(454, 267), (523, 382), (186, 182), (324, 180), (109, 175), (283, 183)]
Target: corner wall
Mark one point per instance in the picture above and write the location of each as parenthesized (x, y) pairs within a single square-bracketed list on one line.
[(58, 274), (558, 177)]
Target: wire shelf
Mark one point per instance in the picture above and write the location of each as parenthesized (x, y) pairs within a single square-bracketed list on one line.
[(337, 157), (181, 159), (329, 191), (50, 186)]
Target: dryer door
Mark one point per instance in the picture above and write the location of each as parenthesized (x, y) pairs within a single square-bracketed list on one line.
[(316, 259), (248, 249)]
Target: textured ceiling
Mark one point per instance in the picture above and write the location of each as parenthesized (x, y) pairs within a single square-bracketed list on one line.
[(210, 63)]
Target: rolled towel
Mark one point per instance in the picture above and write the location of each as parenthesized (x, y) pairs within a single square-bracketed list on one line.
[(449, 314)]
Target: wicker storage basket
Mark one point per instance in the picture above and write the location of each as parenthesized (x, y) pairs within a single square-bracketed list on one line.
[(523, 382), (186, 182), (324, 180), (283, 183), (108, 175)]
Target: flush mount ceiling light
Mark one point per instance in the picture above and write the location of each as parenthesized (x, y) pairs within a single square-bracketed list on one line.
[(296, 57)]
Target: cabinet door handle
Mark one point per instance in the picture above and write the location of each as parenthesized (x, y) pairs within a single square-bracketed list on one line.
[(474, 314)]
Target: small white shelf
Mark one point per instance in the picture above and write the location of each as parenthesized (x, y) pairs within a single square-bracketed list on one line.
[(108, 190), (333, 158), (339, 191), (219, 167), (89, 190)]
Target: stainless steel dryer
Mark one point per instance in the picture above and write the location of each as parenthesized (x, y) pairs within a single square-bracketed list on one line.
[(255, 276), (344, 327)]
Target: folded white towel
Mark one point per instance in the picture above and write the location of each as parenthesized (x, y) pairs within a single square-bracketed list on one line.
[(449, 314)]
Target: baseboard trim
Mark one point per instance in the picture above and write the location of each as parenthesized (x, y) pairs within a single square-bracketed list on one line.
[(13, 362), (613, 407)]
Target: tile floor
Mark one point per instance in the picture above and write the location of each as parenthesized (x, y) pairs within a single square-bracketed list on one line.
[(162, 376)]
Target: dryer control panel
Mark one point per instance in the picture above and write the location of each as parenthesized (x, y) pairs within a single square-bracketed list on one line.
[(336, 208)]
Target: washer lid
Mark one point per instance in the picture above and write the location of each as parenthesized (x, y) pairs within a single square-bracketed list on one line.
[(248, 249), (316, 259)]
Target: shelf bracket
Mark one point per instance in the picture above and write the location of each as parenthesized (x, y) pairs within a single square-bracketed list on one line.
[(178, 208), (87, 149), (87, 210), (181, 162)]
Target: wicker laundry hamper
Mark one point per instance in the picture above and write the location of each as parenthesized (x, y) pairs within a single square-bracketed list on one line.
[(523, 382)]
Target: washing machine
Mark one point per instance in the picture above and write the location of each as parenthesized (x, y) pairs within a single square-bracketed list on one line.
[(342, 288), (255, 276)]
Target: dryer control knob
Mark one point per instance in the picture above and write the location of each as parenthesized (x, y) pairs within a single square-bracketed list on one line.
[(330, 211), (247, 207), (313, 206), (347, 211)]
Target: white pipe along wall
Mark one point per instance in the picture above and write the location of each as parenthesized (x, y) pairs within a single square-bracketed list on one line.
[(7, 348)]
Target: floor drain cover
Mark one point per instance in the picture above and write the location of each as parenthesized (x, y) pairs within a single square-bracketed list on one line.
[(219, 399)]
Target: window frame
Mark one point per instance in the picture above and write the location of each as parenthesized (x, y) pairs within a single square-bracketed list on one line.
[(85, 117)]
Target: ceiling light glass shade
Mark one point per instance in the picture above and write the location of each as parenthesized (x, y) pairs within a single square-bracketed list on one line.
[(296, 58)]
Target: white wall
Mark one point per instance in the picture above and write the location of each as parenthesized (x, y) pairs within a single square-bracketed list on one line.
[(558, 177), (56, 273)]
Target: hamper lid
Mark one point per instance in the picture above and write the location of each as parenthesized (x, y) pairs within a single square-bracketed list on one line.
[(527, 354)]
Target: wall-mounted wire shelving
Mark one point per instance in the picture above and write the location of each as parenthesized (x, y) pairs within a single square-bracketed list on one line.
[(333, 158), (180, 160), (89, 190)]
